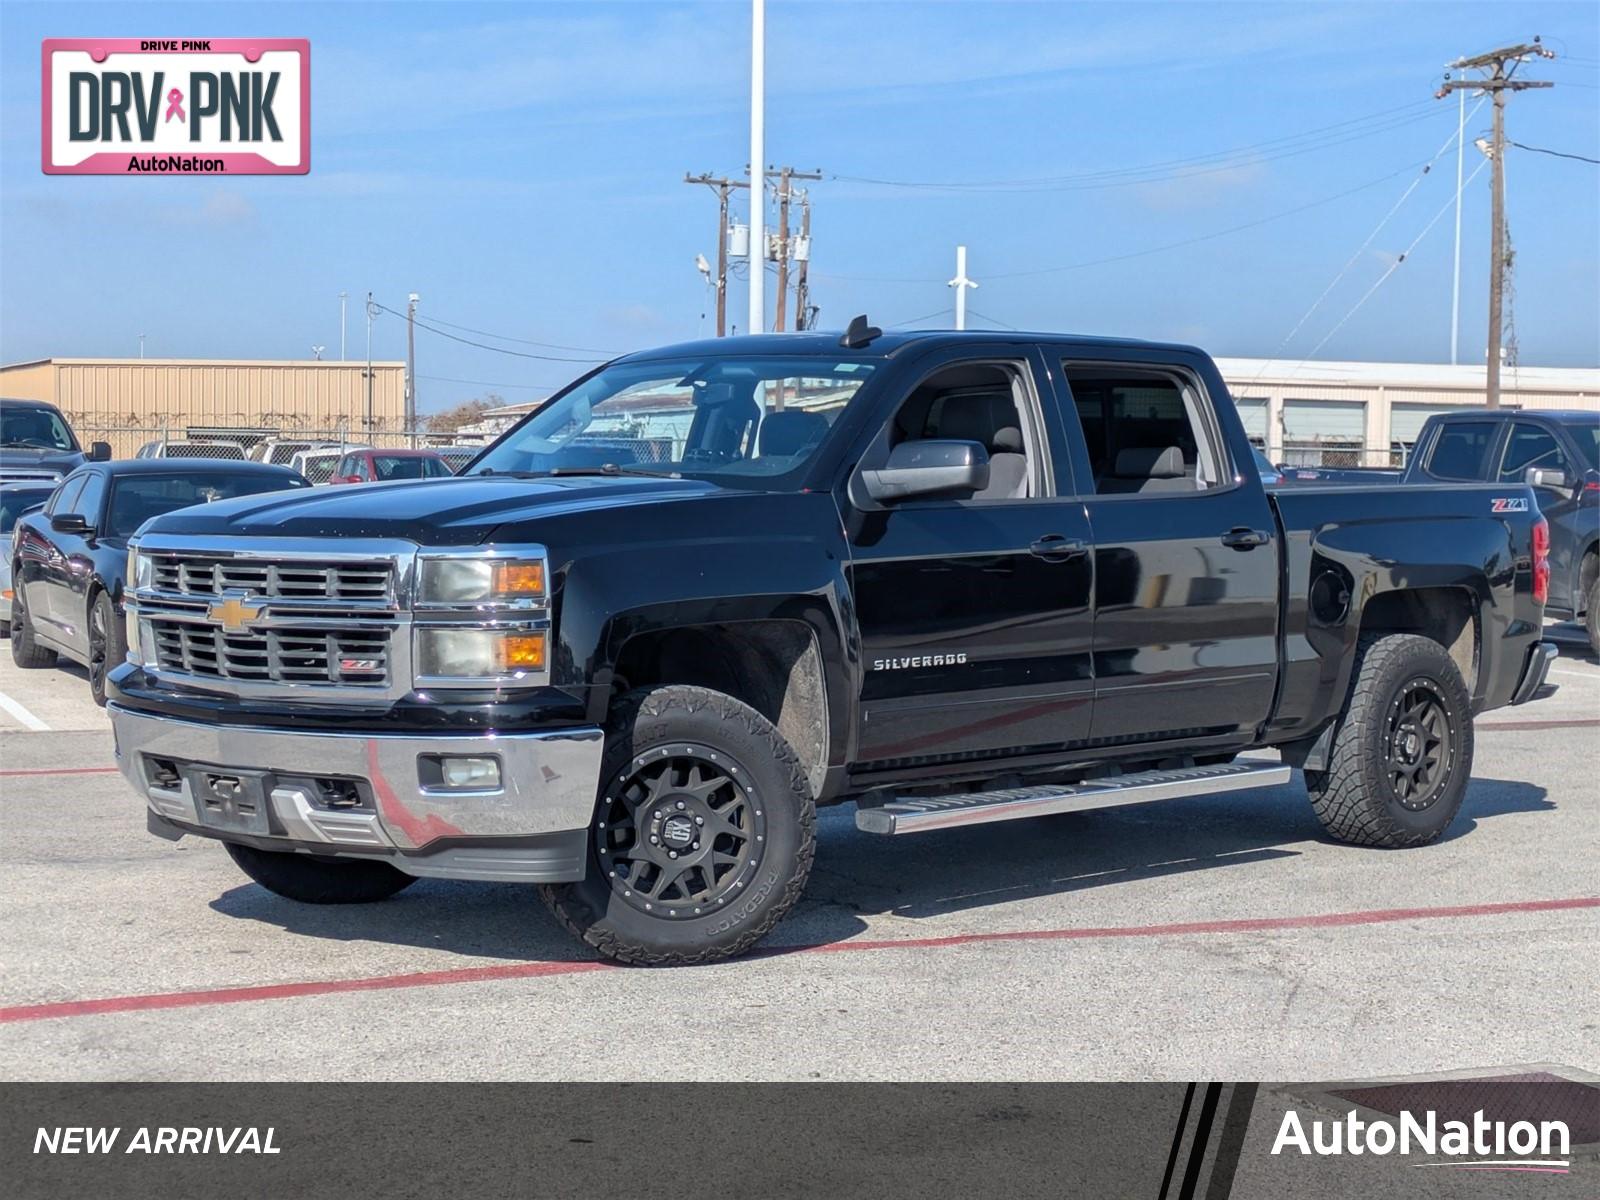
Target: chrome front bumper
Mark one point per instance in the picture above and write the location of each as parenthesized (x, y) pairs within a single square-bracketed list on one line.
[(365, 795)]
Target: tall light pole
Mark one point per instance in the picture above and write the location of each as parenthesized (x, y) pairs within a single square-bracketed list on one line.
[(141, 345), (1455, 286), (961, 283), (343, 296), (757, 321)]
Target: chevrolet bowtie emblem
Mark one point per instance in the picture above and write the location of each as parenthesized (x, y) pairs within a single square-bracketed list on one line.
[(233, 614)]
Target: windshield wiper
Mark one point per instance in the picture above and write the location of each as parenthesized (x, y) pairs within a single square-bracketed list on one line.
[(33, 444), (604, 469)]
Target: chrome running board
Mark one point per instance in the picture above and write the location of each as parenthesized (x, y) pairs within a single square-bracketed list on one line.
[(918, 815)]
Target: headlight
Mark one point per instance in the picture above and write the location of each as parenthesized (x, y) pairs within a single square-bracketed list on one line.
[(141, 568), (451, 581), (490, 655)]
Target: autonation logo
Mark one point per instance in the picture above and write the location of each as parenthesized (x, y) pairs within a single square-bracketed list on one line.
[(1480, 1143)]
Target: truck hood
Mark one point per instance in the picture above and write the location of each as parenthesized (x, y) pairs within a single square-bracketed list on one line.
[(31, 458), (437, 512)]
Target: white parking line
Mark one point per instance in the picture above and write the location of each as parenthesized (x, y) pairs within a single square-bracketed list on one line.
[(28, 720)]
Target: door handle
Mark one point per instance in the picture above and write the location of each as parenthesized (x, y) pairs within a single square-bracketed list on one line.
[(1245, 539), (1053, 547)]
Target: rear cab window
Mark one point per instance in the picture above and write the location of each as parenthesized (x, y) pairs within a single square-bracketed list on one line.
[(1460, 450), (1147, 430)]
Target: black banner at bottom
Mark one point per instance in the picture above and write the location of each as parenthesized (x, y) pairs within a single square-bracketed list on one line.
[(1534, 1133)]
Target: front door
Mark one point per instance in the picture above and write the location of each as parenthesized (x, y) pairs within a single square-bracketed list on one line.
[(973, 611)]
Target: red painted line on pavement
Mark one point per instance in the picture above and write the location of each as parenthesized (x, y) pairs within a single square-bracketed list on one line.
[(61, 771), (1581, 723), (537, 970)]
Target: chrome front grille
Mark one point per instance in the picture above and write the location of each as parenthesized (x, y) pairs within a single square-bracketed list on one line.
[(272, 579), (346, 658)]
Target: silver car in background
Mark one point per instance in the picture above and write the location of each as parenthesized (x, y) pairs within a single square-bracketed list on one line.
[(15, 499)]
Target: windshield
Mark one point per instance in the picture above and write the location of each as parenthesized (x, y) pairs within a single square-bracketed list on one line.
[(730, 419), (14, 501), (36, 428), (137, 498)]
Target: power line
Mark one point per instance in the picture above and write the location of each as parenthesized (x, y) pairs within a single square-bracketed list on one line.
[(484, 345), (1206, 237), (1557, 153), (1188, 167), (1393, 267), (938, 312), (992, 320), (492, 383), (506, 337), (1361, 249)]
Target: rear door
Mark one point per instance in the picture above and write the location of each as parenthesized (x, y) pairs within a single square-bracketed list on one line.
[(1186, 552), (973, 612)]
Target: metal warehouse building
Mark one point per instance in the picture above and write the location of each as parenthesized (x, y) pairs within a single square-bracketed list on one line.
[(1369, 414), (130, 401)]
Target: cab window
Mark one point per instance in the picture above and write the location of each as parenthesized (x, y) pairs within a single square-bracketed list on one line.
[(1147, 431), (1459, 450), (1530, 446)]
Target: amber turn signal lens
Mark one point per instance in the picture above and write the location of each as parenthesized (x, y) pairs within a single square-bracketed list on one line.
[(518, 579), (522, 651)]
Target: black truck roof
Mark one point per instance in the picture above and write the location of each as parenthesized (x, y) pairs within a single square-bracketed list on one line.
[(885, 345)]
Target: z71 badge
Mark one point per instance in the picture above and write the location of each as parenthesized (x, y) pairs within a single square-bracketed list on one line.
[(1509, 504)]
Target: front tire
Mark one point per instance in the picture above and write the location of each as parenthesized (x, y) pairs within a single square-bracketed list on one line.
[(1402, 751), (1591, 619), (25, 651), (320, 881), (703, 833), (107, 644)]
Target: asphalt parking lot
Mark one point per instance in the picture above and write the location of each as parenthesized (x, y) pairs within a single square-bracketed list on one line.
[(1130, 944)]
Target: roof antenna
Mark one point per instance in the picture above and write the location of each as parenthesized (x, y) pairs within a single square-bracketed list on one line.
[(859, 334)]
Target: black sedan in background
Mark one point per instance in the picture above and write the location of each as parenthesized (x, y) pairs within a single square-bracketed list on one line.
[(70, 557)]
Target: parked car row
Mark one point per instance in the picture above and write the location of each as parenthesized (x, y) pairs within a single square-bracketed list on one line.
[(68, 551)]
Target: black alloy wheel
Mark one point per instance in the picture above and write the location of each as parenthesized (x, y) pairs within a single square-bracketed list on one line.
[(1418, 745), (680, 833)]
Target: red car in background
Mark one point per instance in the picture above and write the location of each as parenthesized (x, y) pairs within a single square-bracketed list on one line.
[(380, 466)]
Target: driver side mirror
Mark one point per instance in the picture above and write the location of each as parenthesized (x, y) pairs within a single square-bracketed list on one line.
[(99, 451), (928, 468), (74, 523), (1546, 477)]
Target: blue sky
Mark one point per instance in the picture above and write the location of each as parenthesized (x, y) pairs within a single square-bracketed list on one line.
[(520, 167)]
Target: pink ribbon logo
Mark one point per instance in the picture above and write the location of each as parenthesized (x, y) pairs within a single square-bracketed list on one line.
[(175, 105)]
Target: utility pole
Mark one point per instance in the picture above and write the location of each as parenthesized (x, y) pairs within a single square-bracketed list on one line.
[(785, 177), (961, 283), (372, 312), (783, 248), (141, 345), (1496, 79), (343, 296), (757, 320), (411, 368), (802, 286), (722, 187)]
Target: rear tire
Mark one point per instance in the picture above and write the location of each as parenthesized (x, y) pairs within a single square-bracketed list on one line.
[(1402, 750), (319, 881), (703, 835), (25, 651)]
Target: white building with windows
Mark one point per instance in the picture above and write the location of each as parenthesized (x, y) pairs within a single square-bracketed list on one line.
[(1368, 414)]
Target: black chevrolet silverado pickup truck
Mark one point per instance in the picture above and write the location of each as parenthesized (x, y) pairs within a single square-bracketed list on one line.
[(950, 577)]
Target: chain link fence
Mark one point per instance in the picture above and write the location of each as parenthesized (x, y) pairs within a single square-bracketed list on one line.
[(1339, 454), (276, 444)]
